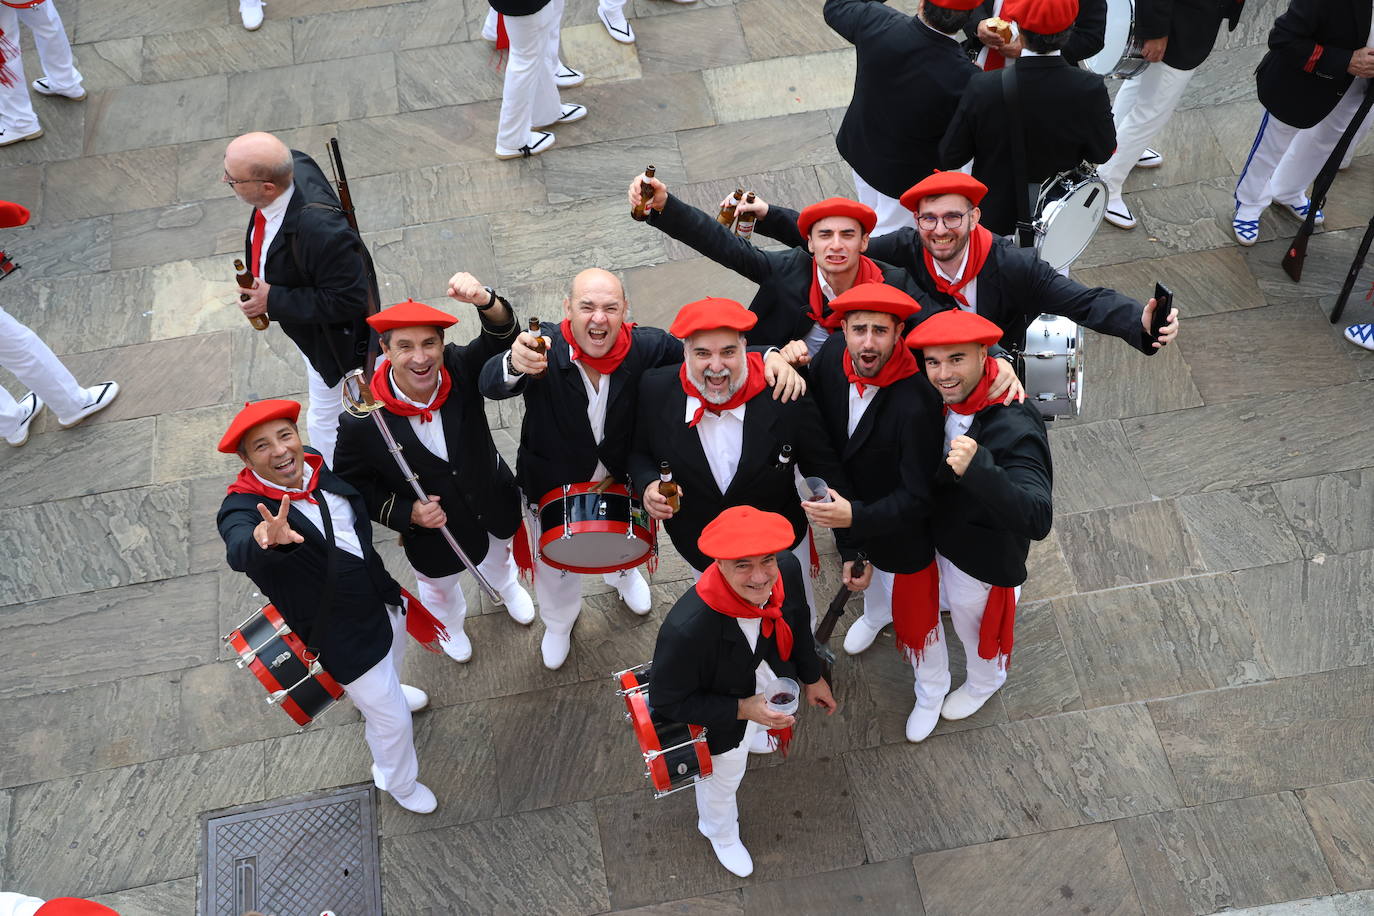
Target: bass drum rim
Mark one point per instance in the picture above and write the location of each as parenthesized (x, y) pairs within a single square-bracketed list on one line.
[(1071, 183)]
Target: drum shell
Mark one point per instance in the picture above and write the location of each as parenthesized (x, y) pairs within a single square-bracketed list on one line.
[(1052, 362), (674, 769), (277, 658), (1068, 213)]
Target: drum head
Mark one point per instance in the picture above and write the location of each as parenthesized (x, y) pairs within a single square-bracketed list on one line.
[(1053, 361), (1117, 39), (1070, 222)]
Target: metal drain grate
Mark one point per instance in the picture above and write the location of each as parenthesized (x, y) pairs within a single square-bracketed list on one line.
[(294, 858)]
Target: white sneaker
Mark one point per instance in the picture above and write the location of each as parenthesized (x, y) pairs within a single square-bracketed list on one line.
[(617, 26), (566, 77), (30, 406), (101, 396), (961, 704), (1150, 159), (761, 743), (10, 137), (555, 648), (518, 605), (419, 799), (570, 112), (860, 636), (921, 723), (457, 647), (43, 87), (634, 591), (539, 141), (1119, 215), (1361, 335), (416, 699), (250, 11), (734, 857)]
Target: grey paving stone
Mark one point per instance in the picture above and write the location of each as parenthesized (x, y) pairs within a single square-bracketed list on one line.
[(879, 887), (70, 249), (1119, 381), (1215, 83), (1042, 683), (1340, 817), (1288, 734), (1237, 529), (1190, 151), (181, 231), (99, 185), (222, 705), (1048, 574), (836, 180), (755, 147), (1203, 282), (725, 903), (1159, 640), (777, 28), (315, 7), (610, 637), (90, 312), (64, 134), (103, 726), (448, 74), (696, 37), (434, 194), (77, 462), (563, 240), (1233, 853), (596, 170), (438, 136), (23, 184), (1328, 261), (1111, 246), (545, 861), (1123, 545), (1015, 779), (1335, 905), (185, 444), (225, 48), (157, 114), (1192, 216), (783, 85), (325, 92), (1235, 124), (1094, 468), (102, 19), (657, 104), (1312, 616), (1330, 513), (417, 262), (6, 805), (126, 827), (266, 365), (114, 62), (353, 33), (170, 898), (1050, 873)]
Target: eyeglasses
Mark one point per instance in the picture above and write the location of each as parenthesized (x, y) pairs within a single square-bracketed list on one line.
[(231, 182), (928, 221)]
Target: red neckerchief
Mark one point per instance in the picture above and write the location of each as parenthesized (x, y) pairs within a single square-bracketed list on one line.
[(869, 272), (248, 482), (603, 364), (381, 388), (754, 384), (979, 243), (901, 364), (978, 398)]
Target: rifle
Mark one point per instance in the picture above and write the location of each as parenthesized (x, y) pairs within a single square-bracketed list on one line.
[(1297, 252), (351, 216), (832, 617), (1354, 273)]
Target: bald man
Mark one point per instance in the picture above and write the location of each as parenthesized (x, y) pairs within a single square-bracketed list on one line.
[(314, 275)]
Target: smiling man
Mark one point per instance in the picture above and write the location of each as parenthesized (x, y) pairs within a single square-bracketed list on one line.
[(435, 411), (742, 625)]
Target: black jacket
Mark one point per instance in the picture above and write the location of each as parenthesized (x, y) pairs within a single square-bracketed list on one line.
[(985, 521), (662, 435), (1191, 26), (1089, 31), (1067, 119), (1305, 73), (357, 632), (890, 460), (556, 443), (703, 666), (1014, 286), (783, 300), (907, 82), (475, 487), (319, 271)]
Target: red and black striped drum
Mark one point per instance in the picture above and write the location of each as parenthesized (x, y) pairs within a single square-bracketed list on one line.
[(294, 678), (675, 754)]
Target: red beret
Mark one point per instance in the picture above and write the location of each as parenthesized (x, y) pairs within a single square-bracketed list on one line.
[(12, 214), (957, 4), (837, 206), (951, 328), (875, 297), (939, 183), (252, 415), (409, 314), (709, 314), (743, 531), (1045, 17), (73, 906)]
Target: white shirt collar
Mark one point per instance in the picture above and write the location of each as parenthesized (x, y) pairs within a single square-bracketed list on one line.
[(276, 208), (309, 474), (1026, 52), (958, 274), (693, 403), (953, 38), (401, 395)]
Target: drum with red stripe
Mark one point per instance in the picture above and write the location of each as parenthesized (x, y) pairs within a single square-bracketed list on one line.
[(675, 754), (586, 529), (292, 675)]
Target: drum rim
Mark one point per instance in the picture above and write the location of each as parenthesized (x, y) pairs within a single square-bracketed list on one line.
[(581, 489), (638, 532)]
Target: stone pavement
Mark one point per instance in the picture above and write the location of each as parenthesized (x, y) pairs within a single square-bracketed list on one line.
[(1187, 727)]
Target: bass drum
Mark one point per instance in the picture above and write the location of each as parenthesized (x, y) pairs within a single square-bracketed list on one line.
[(1068, 214), (1120, 55), (1053, 365)]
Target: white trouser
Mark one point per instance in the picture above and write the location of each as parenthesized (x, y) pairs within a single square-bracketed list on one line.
[(965, 598), (530, 97), (891, 214), (1284, 160), (322, 416), (54, 51), (17, 116), (13, 904), (611, 7), (878, 599), (803, 554), (387, 727), (444, 595), (1359, 138), (35, 365), (717, 808), (1142, 108)]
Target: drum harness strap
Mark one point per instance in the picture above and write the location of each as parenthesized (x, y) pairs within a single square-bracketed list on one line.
[(331, 569), (1025, 229)]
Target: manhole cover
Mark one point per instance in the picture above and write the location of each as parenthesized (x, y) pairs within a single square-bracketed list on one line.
[(293, 858)]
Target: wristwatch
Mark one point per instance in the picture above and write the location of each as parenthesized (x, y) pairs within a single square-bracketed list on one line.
[(492, 301)]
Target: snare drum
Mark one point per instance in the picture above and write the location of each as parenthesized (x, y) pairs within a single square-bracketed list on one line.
[(1120, 55), (1053, 364), (294, 678), (583, 531), (1068, 214), (675, 755)]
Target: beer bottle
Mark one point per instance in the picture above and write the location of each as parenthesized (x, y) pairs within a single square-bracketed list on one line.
[(745, 227), (646, 196), (245, 280), (726, 217), (541, 343), (667, 488), (784, 462)]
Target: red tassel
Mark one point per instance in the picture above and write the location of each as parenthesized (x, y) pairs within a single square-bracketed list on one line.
[(502, 52), (8, 51), (780, 738), (999, 619), (916, 610), (651, 565), (815, 557), (524, 557), (423, 625)]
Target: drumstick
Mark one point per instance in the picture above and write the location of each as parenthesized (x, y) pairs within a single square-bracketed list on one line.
[(603, 485)]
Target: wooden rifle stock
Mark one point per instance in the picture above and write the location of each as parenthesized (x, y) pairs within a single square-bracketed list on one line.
[(827, 625)]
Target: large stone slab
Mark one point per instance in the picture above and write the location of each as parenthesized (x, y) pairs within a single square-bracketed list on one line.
[(1355, 904), (65, 250), (157, 114), (1293, 733), (783, 85), (222, 705), (1043, 682), (64, 135), (114, 62), (184, 448), (1119, 381), (220, 49), (596, 170), (181, 231), (127, 827), (434, 194), (1122, 545), (1019, 778), (879, 887), (764, 145), (546, 861), (170, 898), (1049, 873), (327, 91), (1237, 529), (1203, 282), (779, 28), (1233, 853), (1190, 153), (725, 903), (1048, 574), (563, 240), (99, 185), (76, 462), (23, 184), (1330, 513), (417, 262), (447, 74), (354, 33), (698, 37), (1340, 817), (1094, 468), (101, 19), (656, 104), (194, 297), (438, 136)]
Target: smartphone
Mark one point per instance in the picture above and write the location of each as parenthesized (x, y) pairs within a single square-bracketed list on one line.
[(1164, 303)]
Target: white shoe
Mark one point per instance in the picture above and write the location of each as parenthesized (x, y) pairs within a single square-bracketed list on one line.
[(101, 396), (1119, 215), (518, 605), (921, 723), (1150, 159), (634, 591), (555, 648), (416, 699), (457, 647), (9, 137), (734, 857), (566, 77), (617, 26), (30, 405), (961, 704), (419, 799), (250, 11), (539, 141), (1361, 335), (860, 636), (761, 743), (571, 111), (43, 87)]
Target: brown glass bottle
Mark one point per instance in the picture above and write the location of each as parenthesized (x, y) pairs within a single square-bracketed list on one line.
[(726, 216), (245, 281), (646, 196), (541, 343), (667, 487), (745, 227)]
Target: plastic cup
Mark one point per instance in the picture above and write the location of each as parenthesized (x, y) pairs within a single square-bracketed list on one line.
[(819, 490), (782, 695)]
